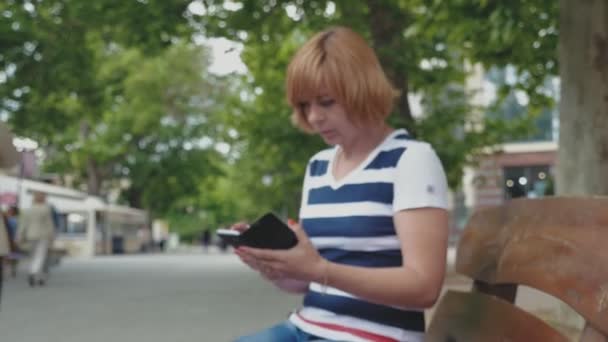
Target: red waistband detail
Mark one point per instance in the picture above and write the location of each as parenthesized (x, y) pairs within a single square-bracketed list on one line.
[(360, 333)]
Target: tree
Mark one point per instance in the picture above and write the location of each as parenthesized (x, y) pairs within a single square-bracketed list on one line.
[(158, 129), (583, 54), (50, 54), (525, 34), (418, 54)]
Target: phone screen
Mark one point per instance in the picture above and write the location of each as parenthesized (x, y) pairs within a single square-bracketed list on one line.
[(229, 236)]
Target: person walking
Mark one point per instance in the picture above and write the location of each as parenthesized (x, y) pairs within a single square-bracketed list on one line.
[(36, 232), (206, 239), (10, 220), (5, 250), (9, 157)]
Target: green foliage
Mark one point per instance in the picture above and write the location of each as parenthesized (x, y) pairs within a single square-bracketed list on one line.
[(522, 34), (164, 112), (421, 53), (119, 97), (51, 48)]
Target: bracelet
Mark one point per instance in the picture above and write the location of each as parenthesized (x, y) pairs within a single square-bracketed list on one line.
[(325, 276)]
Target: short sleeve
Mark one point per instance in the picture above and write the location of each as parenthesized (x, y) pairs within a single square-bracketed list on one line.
[(420, 180), (305, 187)]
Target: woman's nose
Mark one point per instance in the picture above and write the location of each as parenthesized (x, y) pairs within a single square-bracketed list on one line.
[(315, 114)]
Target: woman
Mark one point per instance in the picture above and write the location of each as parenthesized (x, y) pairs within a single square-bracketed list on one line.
[(373, 222)]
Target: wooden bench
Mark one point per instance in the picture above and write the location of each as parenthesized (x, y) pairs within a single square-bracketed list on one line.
[(556, 245)]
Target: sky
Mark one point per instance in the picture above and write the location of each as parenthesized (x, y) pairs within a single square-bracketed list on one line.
[(225, 53)]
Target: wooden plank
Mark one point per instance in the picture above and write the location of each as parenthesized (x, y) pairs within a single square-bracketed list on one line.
[(472, 317), (556, 245)]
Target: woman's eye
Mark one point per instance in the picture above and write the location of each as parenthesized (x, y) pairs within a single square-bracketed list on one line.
[(327, 102), (303, 106)]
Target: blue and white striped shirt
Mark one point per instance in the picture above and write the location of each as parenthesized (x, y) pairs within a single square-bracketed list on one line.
[(350, 221)]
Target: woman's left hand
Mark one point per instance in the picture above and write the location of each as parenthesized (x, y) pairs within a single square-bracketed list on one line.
[(302, 262)]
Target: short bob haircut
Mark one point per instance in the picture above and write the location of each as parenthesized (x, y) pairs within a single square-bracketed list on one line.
[(340, 61)]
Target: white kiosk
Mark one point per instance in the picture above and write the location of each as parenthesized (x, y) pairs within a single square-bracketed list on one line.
[(87, 225)]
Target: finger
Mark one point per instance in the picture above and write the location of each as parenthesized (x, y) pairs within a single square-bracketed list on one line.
[(240, 226), (266, 270), (293, 224), (268, 275), (297, 229), (271, 271), (249, 261), (250, 264), (265, 255), (272, 275), (271, 266), (254, 264)]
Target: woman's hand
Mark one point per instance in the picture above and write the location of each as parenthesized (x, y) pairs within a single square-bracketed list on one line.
[(240, 226), (249, 261), (257, 265), (301, 262)]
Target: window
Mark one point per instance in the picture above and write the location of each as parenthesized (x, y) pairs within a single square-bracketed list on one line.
[(528, 181), (73, 223)]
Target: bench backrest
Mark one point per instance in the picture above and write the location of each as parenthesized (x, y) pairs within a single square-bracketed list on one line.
[(556, 245)]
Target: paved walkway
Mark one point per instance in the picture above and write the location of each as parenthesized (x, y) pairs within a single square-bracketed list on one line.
[(142, 298), (150, 298)]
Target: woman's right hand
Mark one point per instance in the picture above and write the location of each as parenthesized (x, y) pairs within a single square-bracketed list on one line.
[(240, 226), (285, 284), (253, 263)]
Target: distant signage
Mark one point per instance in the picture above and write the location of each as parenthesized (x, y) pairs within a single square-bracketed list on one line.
[(8, 198)]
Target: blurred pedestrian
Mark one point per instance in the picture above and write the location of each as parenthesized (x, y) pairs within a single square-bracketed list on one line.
[(11, 225), (11, 221), (35, 232), (206, 239), (5, 250), (9, 157)]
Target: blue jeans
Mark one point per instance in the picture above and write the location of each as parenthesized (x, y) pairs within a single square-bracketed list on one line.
[(282, 332)]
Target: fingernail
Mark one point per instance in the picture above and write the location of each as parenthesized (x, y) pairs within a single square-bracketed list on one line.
[(290, 221)]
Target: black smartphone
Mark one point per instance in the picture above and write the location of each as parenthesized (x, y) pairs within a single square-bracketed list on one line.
[(267, 232), (229, 236)]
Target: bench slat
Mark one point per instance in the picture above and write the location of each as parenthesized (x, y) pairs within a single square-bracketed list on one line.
[(556, 245), (471, 317)]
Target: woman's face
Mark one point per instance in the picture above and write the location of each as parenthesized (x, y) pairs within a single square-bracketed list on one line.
[(329, 119)]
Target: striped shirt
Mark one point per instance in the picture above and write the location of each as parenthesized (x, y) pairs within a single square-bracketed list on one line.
[(350, 221)]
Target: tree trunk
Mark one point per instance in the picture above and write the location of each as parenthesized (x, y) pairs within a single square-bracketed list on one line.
[(582, 167), (387, 26), (93, 178), (134, 197)]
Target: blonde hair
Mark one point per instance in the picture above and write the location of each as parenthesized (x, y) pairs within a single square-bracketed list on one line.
[(340, 60)]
